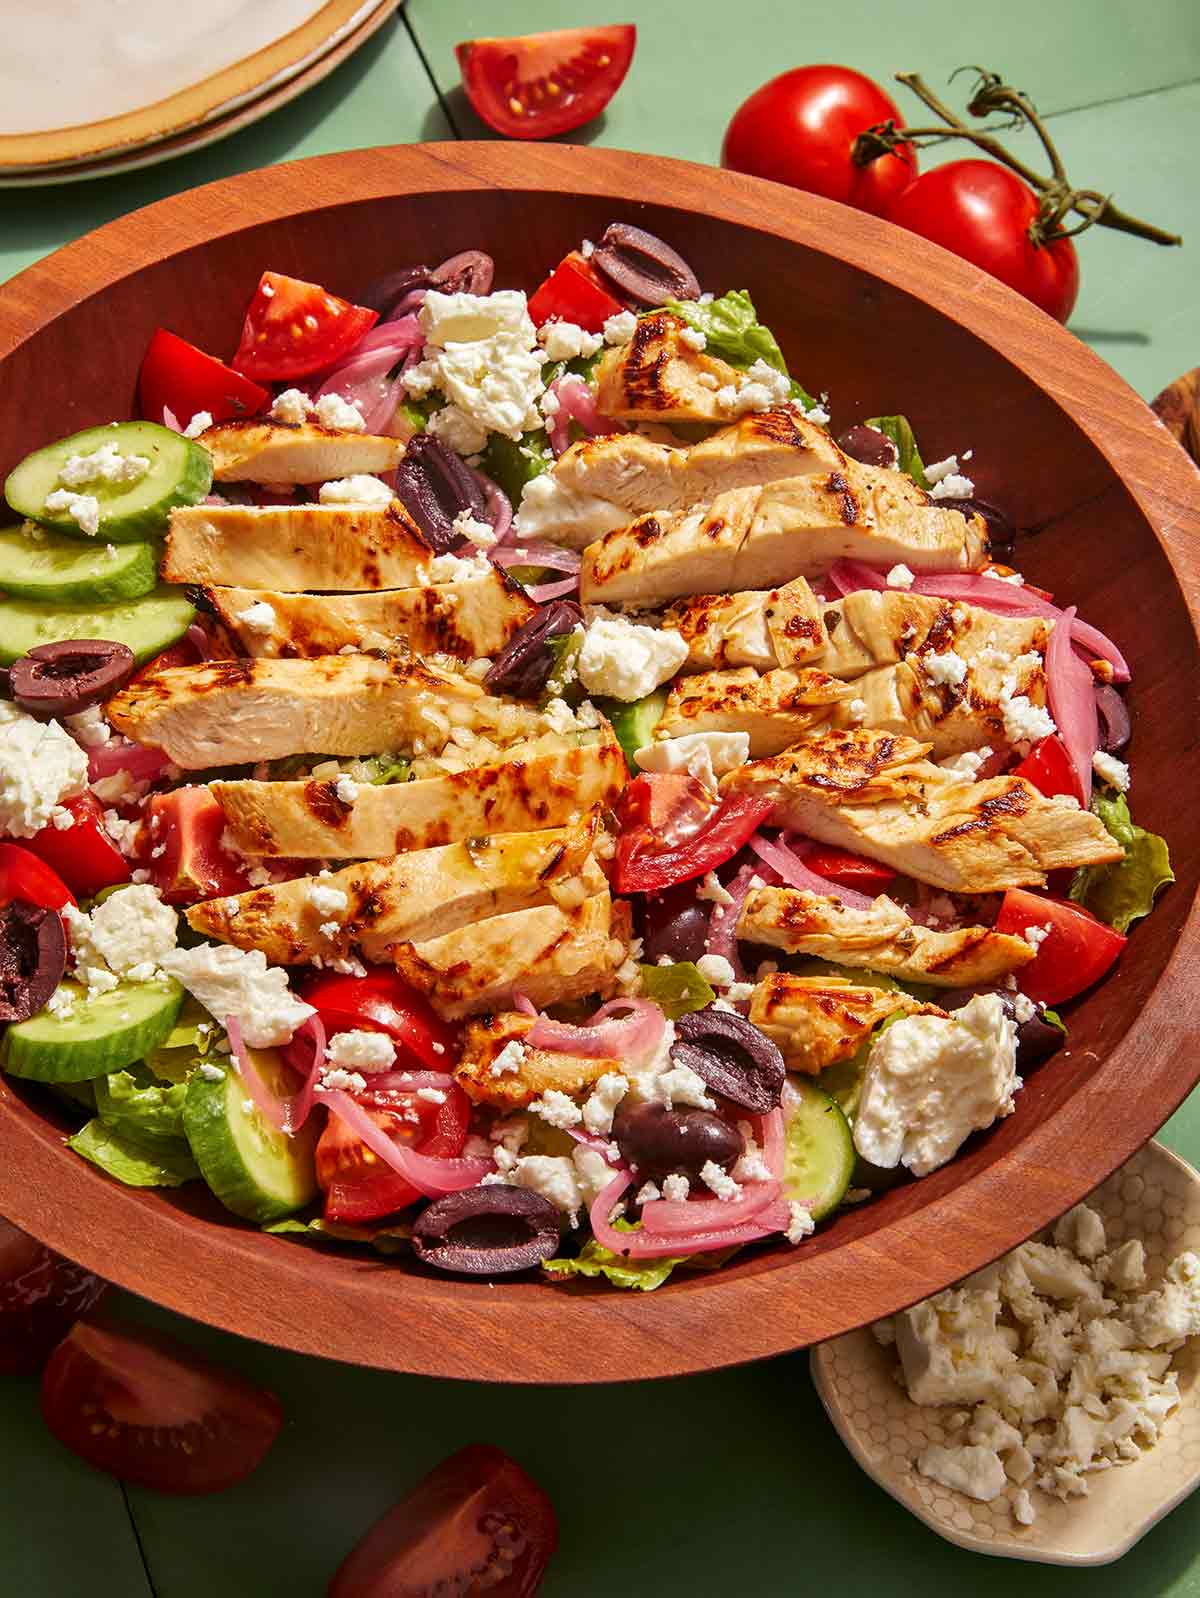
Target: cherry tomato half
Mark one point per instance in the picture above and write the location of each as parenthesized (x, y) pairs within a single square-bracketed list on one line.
[(850, 870), (42, 1295), (573, 293), (1076, 951), (186, 858), (382, 1002), (293, 329), (800, 129), (983, 212), (148, 1410), (1050, 769), (358, 1186), (176, 376), (540, 84), (24, 876), (476, 1523), (83, 854)]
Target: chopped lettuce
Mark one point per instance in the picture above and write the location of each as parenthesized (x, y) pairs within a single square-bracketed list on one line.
[(677, 988), (594, 1259), (397, 770), (134, 1104), (733, 332), (899, 430), (563, 681), (417, 412), (511, 465), (392, 1239), (1123, 892), (132, 1162)]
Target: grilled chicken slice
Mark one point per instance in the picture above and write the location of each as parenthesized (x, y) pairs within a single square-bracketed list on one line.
[(874, 794), (291, 548), (777, 709), (546, 783), (883, 938), (819, 1021), (870, 629), (258, 451), (778, 627), (538, 1070), (659, 377), (761, 537), (469, 618), (412, 897), (549, 954)]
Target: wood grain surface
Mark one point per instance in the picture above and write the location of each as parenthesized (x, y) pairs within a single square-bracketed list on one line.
[(885, 322)]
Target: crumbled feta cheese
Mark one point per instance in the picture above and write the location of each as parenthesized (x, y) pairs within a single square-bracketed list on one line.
[(83, 509), (553, 511), (947, 482), (331, 410), (648, 1193), (947, 669), (257, 618), (200, 423), (40, 765), (554, 1176), (600, 1105), (705, 755), (1024, 722), (626, 661), (1013, 578), (564, 341), (967, 764), (346, 789), (1082, 1231), (675, 1189), (347, 1081), (557, 1109), (481, 534), (693, 338), (800, 1223), (132, 928), (469, 318), (716, 970), (360, 489), (1023, 1511), (458, 568), (1036, 936), (711, 889), (88, 727), (619, 329), (124, 833), (293, 406), (719, 1182), (326, 901), (211, 1072), (239, 983), (103, 465), (592, 1171), (857, 709), (900, 577), (510, 1058), (61, 1003), (976, 1471), (758, 390), (1111, 770), (361, 1051)]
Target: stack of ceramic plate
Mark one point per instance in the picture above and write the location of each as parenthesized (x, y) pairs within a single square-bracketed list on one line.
[(89, 90)]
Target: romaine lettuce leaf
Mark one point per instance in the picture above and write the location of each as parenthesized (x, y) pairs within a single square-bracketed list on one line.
[(677, 988), (136, 1164), (594, 1259), (511, 465), (392, 1239), (899, 430), (134, 1104), (1123, 892), (733, 332)]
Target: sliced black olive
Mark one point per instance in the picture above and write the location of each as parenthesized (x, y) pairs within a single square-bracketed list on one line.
[(659, 1142), (673, 923), (471, 272), (733, 1057), (387, 292), (868, 445), (1002, 534), (523, 666), (434, 485), (1115, 726), (60, 679), (487, 1231), (33, 957), (646, 270)]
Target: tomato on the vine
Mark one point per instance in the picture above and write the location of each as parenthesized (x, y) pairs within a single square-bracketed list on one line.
[(983, 212), (800, 129)]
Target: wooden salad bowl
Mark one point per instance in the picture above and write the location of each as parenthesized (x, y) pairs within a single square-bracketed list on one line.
[(886, 323)]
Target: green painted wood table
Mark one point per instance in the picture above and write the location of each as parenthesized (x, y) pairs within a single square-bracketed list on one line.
[(732, 1482)]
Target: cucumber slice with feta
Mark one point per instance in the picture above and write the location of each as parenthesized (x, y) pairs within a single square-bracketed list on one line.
[(36, 564), (255, 1171), (148, 625), (129, 477), (634, 723), (104, 1033), (819, 1155)]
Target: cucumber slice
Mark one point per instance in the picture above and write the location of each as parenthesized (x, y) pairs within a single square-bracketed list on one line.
[(147, 625), (634, 724), (50, 567), (102, 1034), (819, 1160), (180, 473), (255, 1171)]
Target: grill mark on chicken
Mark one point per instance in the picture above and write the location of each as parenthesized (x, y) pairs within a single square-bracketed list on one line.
[(646, 365), (322, 800), (847, 503), (1014, 801), (553, 863)]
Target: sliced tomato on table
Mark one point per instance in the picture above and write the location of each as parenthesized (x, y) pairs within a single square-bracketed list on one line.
[(24, 876), (671, 831), (1049, 768), (357, 1184), (148, 1410), (476, 1522), (186, 858), (575, 293), (82, 855), (850, 870), (383, 1002), (178, 377), (41, 1296), (293, 329), (1075, 952), (540, 84)]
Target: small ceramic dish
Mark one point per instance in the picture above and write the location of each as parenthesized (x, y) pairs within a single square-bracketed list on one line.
[(1156, 1197)]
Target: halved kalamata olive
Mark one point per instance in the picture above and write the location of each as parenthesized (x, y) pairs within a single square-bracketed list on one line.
[(1002, 535), (733, 1057), (60, 679), (434, 485), (868, 445), (387, 292), (659, 1142), (487, 1231), (471, 272), (645, 269), (523, 666), (1115, 726), (674, 923), (33, 957)]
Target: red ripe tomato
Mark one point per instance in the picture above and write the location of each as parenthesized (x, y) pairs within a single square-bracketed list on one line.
[(42, 1295), (800, 129), (184, 653), (477, 1522), (574, 293), (149, 1411), (1076, 951), (176, 376), (24, 876), (382, 1002), (671, 831), (83, 855), (357, 1184), (1050, 769), (293, 329), (540, 84), (850, 870), (186, 858), (983, 212)]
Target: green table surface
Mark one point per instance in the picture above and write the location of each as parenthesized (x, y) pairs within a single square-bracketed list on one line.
[(732, 1482)]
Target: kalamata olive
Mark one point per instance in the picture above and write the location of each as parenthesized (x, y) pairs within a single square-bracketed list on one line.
[(487, 1231), (646, 270), (659, 1142), (434, 485), (1037, 1039), (674, 923), (1115, 726), (733, 1057), (33, 957), (471, 272), (868, 445), (60, 679), (1002, 535), (523, 666), (387, 292)]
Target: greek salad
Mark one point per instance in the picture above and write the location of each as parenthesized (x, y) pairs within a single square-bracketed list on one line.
[(502, 778)]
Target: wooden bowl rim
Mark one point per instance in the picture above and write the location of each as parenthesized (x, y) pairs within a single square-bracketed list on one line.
[(366, 1312)]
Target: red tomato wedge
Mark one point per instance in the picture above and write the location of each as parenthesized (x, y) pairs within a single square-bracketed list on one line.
[(573, 293), (540, 84), (176, 376), (850, 870), (41, 1297), (149, 1411), (24, 876), (184, 653), (186, 858), (670, 831), (358, 1186), (293, 329), (1048, 767), (477, 1523), (1076, 951), (83, 855), (382, 1002)]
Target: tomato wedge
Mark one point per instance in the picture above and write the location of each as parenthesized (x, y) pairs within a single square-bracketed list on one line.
[(82, 855), (358, 1186), (178, 377), (476, 1523), (41, 1296), (540, 84), (382, 1002), (642, 865), (850, 870), (148, 1410), (293, 329), (187, 860), (1075, 952), (573, 293), (1049, 768), (24, 876)]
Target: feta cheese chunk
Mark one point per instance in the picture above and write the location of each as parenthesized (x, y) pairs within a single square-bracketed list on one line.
[(292, 406), (130, 934), (716, 970), (40, 766), (900, 576), (481, 534), (361, 1051), (627, 661), (947, 482), (331, 410), (83, 509), (976, 1471), (948, 669), (457, 430), (552, 511), (239, 983), (360, 489), (257, 618), (564, 341), (1111, 770), (619, 329), (705, 755), (200, 423), (468, 318), (103, 465)]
